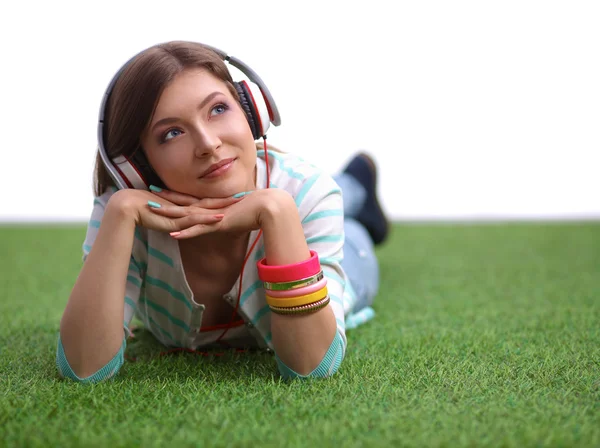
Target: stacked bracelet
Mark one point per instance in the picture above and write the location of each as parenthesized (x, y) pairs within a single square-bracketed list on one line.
[(285, 286), (305, 309), (298, 288), (299, 300)]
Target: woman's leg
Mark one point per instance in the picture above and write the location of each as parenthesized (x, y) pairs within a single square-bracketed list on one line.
[(353, 193), (371, 215), (360, 262)]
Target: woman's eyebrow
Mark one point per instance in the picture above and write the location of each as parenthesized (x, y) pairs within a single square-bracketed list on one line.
[(169, 120)]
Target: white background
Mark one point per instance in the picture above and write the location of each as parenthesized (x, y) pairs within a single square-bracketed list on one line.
[(473, 109)]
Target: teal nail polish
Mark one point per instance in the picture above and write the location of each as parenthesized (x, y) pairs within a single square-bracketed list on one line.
[(239, 195), (153, 204), (156, 189)]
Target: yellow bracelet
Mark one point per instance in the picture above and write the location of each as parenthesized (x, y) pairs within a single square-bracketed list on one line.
[(299, 300)]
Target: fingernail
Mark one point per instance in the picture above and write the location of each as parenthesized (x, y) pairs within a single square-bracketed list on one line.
[(239, 195), (155, 188), (153, 204), (219, 216), (174, 233)]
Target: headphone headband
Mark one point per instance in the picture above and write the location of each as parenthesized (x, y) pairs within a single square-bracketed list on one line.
[(130, 176)]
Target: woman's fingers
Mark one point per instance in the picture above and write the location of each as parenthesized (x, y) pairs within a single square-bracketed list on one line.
[(175, 211), (174, 197), (184, 217), (197, 229), (216, 203), (171, 211), (187, 200)]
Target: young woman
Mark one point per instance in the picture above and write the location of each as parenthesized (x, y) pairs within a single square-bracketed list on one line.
[(207, 238)]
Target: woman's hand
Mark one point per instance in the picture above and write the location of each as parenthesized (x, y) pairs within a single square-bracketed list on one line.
[(236, 215), (134, 204)]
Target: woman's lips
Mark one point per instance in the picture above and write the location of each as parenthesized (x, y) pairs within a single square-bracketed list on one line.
[(218, 169)]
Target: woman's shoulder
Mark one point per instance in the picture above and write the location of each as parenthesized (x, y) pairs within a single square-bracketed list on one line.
[(102, 199), (307, 182), (292, 168)]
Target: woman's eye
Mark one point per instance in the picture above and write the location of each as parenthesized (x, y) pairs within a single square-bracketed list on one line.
[(171, 134), (219, 109)]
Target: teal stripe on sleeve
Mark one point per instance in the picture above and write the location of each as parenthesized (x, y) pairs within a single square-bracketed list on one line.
[(106, 372), (259, 253), (249, 290), (330, 260), (98, 203), (133, 266), (130, 302), (135, 281), (282, 166), (138, 235), (336, 299), (326, 368), (260, 314), (163, 331), (334, 276), (360, 317), (325, 239), (137, 266), (159, 309), (94, 223), (322, 214), (160, 256), (306, 188), (165, 286)]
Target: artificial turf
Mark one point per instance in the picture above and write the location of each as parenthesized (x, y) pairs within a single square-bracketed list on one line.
[(485, 335)]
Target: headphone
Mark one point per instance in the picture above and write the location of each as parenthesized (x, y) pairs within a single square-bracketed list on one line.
[(256, 101)]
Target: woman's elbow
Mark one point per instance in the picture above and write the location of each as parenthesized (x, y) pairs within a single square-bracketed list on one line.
[(327, 368), (107, 372)]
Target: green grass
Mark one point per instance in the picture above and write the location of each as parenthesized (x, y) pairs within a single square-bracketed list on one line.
[(484, 335)]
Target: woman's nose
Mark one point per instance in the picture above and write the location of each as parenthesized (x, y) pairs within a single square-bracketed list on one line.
[(206, 141)]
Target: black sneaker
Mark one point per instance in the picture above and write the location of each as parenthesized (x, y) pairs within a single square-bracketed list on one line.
[(363, 169)]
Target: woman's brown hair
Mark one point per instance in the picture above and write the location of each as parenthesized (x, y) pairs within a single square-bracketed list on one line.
[(135, 95)]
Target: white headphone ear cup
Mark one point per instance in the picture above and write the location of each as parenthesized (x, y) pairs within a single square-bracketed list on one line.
[(260, 106), (129, 173)]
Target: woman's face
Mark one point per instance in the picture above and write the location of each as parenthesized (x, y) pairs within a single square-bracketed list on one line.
[(199, 141)]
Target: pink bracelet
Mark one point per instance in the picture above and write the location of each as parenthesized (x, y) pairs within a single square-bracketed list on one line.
[(298, 291), (288, 272)]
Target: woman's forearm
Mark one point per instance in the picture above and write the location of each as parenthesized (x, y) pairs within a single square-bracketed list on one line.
[(300, 341), (91, 329)]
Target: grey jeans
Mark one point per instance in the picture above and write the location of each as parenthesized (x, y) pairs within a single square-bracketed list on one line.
[(360, 262)]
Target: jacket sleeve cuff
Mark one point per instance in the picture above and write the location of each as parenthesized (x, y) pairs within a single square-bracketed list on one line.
[(328, 366), (106, 372)]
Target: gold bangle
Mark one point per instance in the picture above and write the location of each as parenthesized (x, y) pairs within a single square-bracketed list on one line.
[(305, 309), (295, 284), (306, 299)]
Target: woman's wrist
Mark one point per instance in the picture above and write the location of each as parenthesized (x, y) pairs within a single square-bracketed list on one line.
[(283, 234), (274, 205), (123, 206)]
